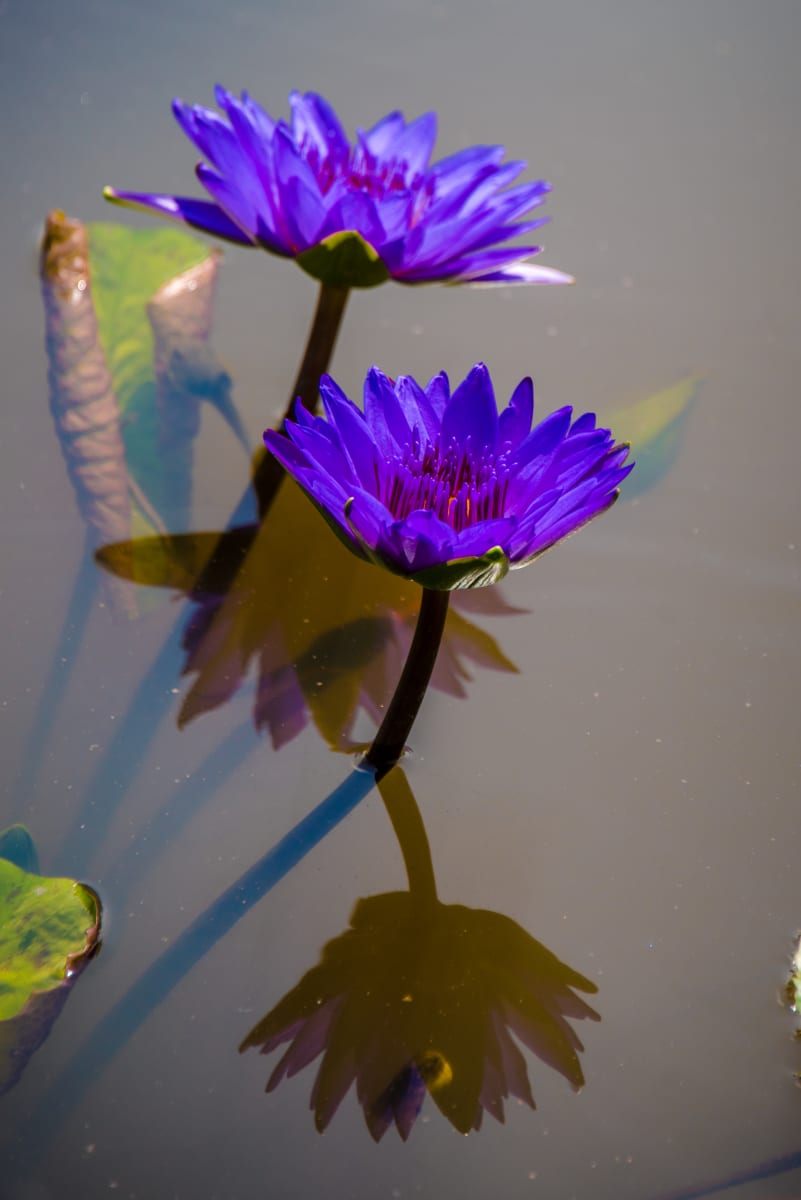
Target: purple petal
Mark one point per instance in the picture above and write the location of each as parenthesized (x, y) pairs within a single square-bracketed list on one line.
[(315, 123), (354, 433), (394, 214), (199, 214), (246, 206), (422, 540), (478, 539), (461, 205), (212, 135), (544, 438), (245, 112), (254, 130), (438, 391), (415, 144), (384, 414), (324, 452), (472, 413), (514, 423), (356, 211), (381, 138), (522, 273), (459, 232), (418, 409), (466, 166), (301, 202), (565, 518)]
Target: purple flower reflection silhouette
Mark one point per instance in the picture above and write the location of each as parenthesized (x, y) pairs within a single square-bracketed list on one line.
[(324, 635), (422, 997), (440, 488), (355, 214), (319, 636)]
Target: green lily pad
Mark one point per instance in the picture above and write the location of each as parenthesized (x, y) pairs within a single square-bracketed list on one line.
[(49, 929), (128, 268), (344, 260), (655, 426)]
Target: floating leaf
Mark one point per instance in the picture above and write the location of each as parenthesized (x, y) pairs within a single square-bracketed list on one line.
[(154, 296), (655, 427), (44, 945), (82, 398), (129, 316), (128, 267)]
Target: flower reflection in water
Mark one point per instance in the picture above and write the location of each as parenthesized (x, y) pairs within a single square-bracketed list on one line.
[(328, 633), (419, 996)]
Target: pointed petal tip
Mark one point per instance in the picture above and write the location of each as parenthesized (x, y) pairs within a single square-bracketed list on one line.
[(518, 274)]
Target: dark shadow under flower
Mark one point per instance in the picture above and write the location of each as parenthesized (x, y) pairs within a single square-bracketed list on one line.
[(354, 214), (327, 634), (409, 1000), (440, 488)]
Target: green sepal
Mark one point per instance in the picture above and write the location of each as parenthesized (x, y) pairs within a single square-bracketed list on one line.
[(344, 260), (462, 573)]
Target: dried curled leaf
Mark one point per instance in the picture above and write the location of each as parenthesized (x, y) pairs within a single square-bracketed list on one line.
[(82, 398)]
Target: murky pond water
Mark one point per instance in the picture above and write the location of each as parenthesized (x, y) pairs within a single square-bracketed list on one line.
[(607, 766)]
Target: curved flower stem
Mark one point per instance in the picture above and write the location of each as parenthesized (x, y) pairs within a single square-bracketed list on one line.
[(331, 301), (407, 821), (390, 740)]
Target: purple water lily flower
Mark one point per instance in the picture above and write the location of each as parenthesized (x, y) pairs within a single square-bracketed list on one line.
[(355, 214), (441, 488)]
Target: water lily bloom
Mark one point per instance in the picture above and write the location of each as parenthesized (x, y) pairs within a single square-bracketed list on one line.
[(354, 214), (441, 488)]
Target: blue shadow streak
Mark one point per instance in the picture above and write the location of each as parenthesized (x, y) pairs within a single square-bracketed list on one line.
[(54, 688), (768, 1169), (119, 765), (127, 750), (189, 797), (170, 968)]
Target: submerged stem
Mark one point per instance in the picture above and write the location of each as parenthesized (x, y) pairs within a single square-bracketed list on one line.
[(391, 738), (268, 472)]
